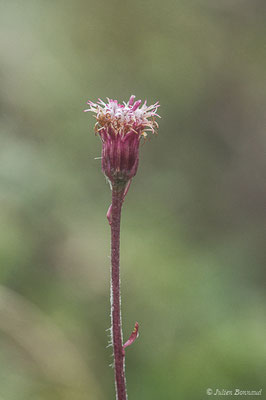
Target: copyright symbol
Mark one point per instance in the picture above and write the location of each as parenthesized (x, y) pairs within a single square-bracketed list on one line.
[(209, 392)]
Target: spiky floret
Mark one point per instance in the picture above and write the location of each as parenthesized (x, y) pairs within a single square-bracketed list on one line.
[(120, 127), (125, 117)]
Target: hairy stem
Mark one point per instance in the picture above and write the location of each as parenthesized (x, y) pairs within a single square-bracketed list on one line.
[(117, 336)]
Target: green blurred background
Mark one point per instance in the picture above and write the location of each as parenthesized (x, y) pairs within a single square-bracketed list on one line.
[(193, 238)]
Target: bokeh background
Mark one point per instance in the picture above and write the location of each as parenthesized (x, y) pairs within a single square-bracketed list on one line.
[(193, 237)]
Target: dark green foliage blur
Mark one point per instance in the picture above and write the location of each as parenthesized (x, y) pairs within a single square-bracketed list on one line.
[(193, 227)]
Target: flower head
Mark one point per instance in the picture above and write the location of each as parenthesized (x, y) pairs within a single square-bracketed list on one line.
[(121, 127)]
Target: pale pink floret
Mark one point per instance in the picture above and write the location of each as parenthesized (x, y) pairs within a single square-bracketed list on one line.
[(120, 127), (126, 114)]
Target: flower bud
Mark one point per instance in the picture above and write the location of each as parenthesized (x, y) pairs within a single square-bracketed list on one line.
[(121, 127)]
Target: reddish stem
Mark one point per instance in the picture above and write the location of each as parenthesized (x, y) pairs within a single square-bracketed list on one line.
[(117, 336)]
